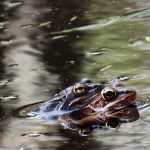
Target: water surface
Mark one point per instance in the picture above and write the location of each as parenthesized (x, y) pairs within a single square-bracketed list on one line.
[(38, 58)]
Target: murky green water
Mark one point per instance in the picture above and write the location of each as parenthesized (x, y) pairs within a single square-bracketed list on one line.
[(47, 45)]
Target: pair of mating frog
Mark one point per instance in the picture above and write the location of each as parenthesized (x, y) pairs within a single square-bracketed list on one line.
[(86, 106)]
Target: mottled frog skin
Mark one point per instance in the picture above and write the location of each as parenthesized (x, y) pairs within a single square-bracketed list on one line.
[(85, 106)]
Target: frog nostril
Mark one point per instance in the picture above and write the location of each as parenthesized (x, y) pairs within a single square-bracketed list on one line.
[(130, 91), (127, 92)]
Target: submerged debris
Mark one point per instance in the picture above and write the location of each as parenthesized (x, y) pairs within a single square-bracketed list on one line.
[(73, 18), (126, 77), (10, 5), (58, 37), (3, 24), (8, 98), (107, 67), (45, 24), (12, 65), (147, 38), (4, 83), (94, 53), (24, 148), (31, 134), (5, 43), (35, 134)]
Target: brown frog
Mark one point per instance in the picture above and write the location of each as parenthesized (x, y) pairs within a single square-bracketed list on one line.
[(86, 106)]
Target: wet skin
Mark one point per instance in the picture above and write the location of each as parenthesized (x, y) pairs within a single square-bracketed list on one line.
[(86, 106)]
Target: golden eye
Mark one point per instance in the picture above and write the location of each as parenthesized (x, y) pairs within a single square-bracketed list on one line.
[(79, 89), (108, 93)]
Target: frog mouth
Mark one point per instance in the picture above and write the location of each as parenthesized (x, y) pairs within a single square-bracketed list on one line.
[(125, 114)]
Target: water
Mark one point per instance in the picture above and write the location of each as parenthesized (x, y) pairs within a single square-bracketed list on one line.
[(36, 63)]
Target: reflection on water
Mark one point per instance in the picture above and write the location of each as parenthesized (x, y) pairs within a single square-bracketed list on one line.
[(37, 65)]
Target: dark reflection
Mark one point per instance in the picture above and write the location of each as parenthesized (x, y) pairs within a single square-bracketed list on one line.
[(70, 140), (62, 59), (59, 53), (75, 142), (60, 14)]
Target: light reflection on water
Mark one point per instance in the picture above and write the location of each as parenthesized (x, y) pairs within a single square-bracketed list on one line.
[(46, 64)]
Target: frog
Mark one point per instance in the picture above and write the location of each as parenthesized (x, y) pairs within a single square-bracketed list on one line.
[(86, 106)]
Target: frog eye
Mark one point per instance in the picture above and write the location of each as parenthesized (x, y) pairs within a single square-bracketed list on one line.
[(108, 93), (79, 89)]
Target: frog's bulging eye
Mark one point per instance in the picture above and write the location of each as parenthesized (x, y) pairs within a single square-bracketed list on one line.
[(108, 93), (79, 89)]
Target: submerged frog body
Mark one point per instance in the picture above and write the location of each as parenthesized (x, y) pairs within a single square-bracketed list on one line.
[(86, 106)]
